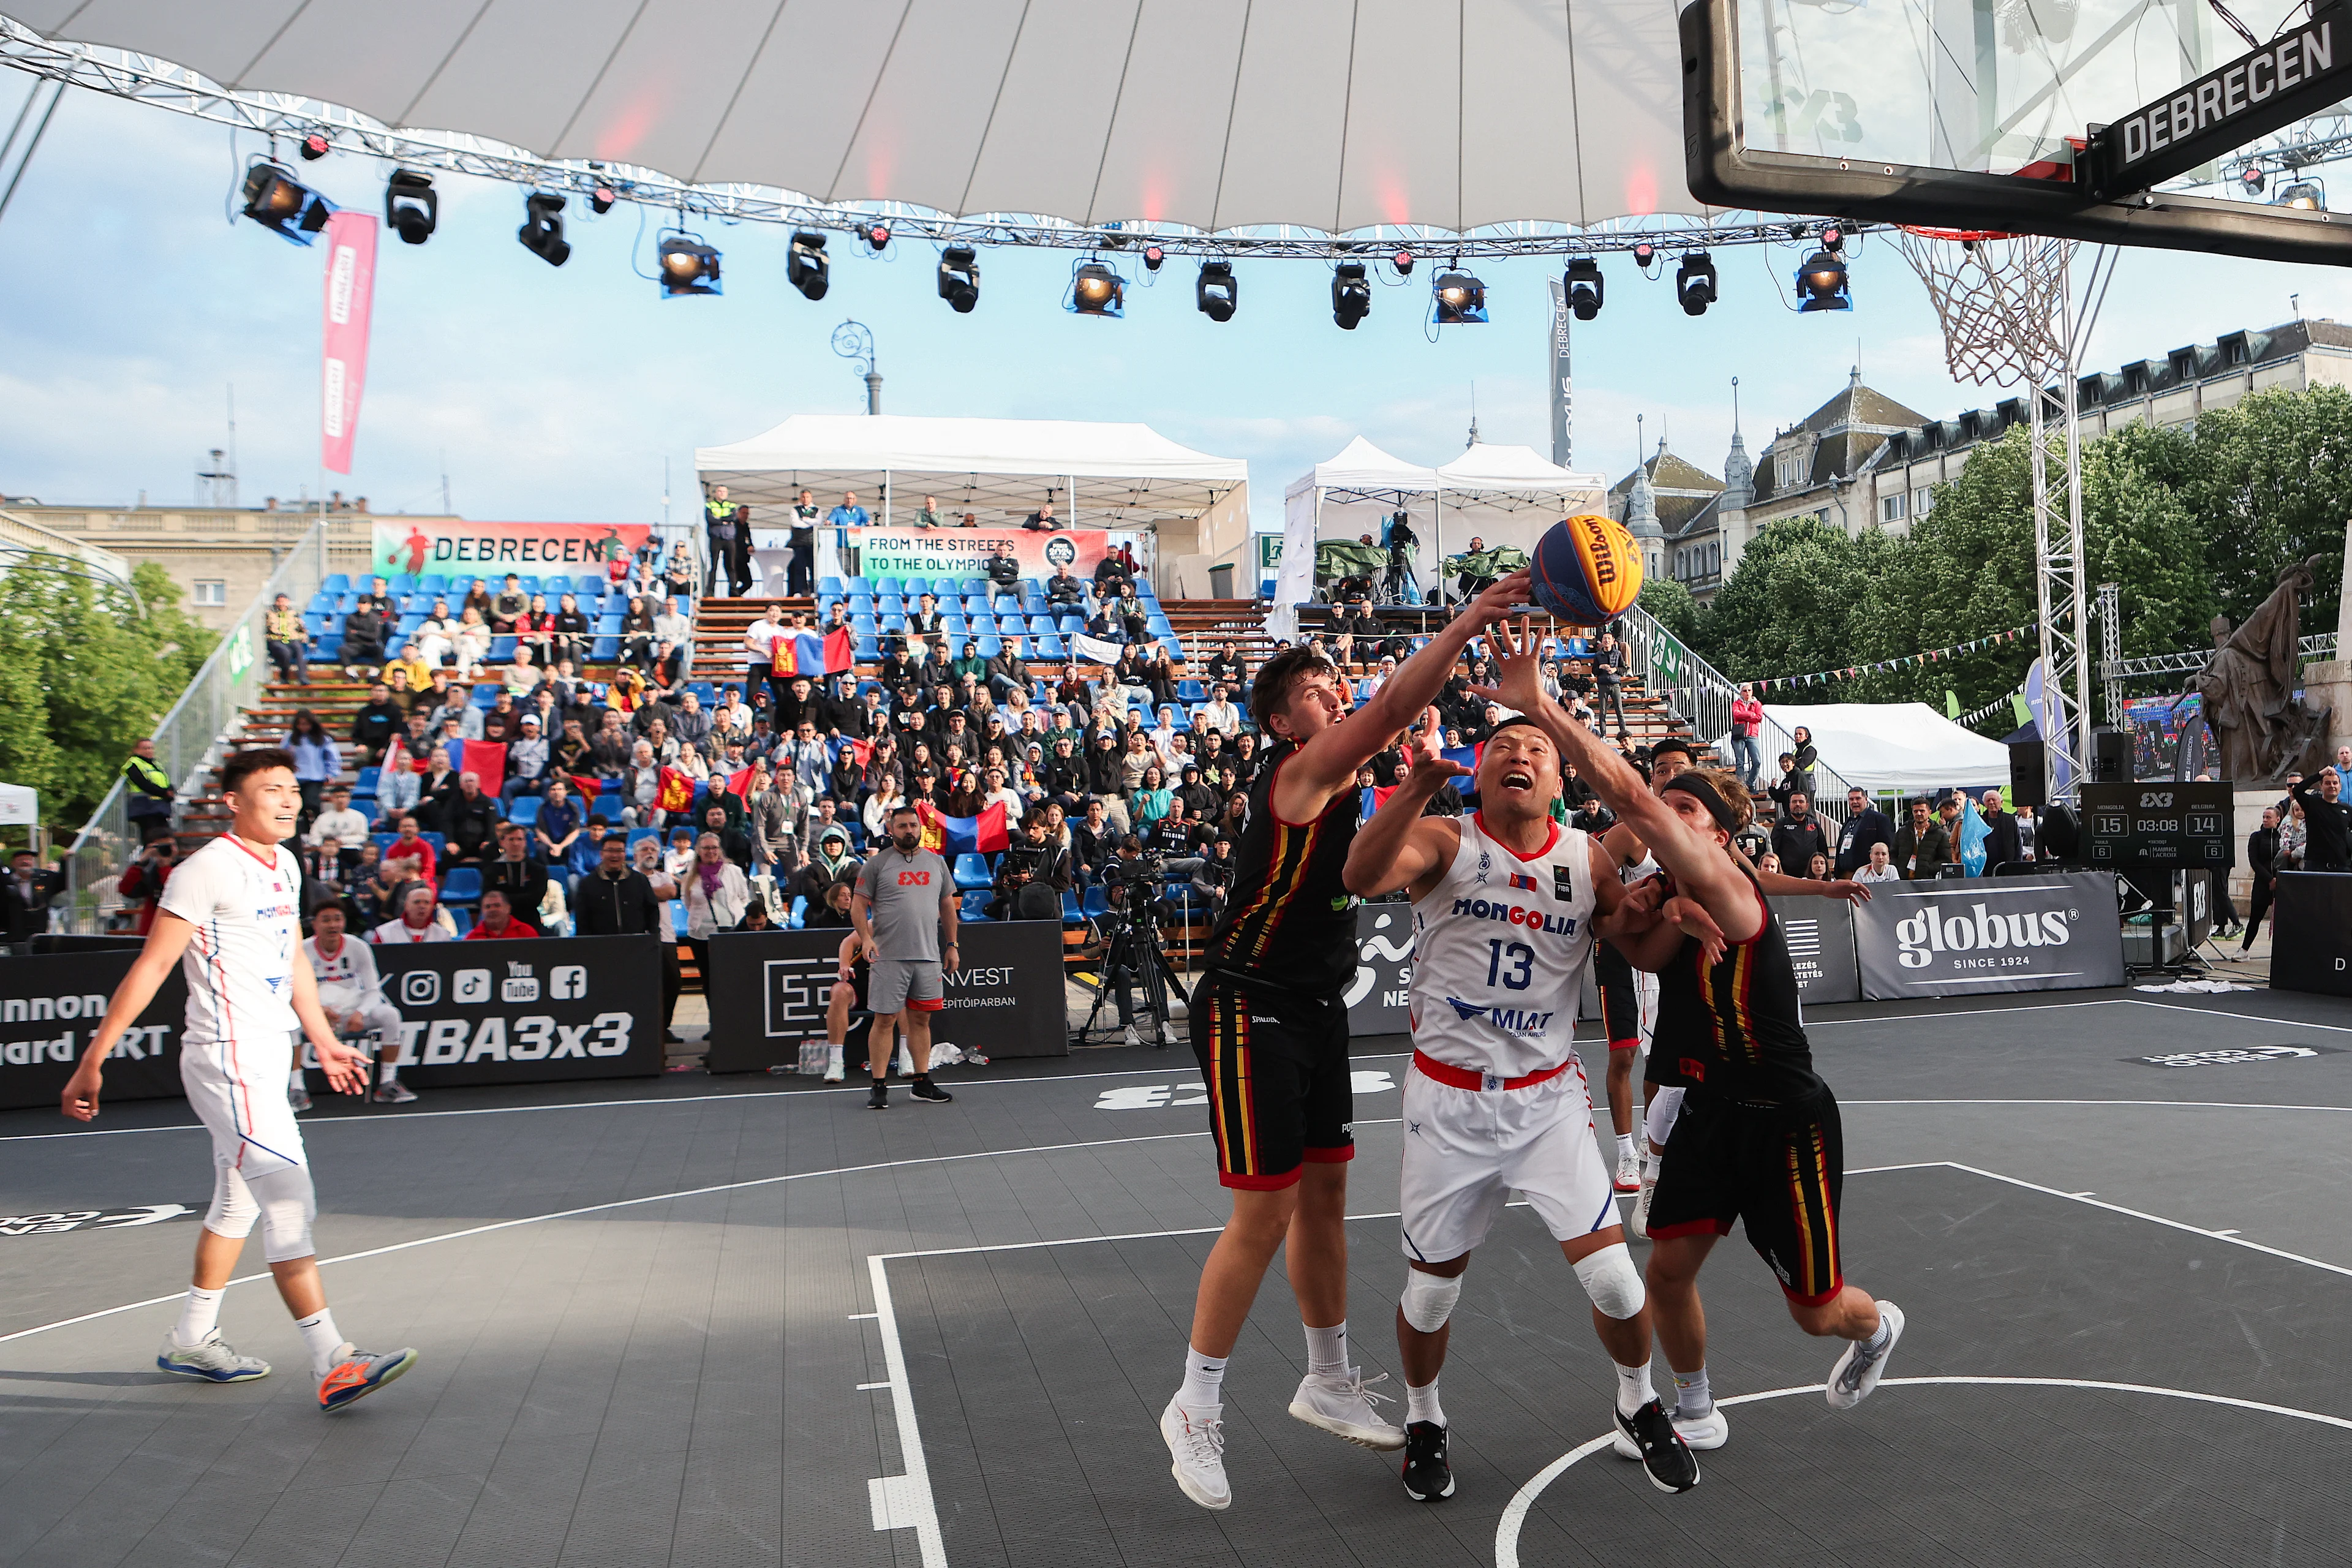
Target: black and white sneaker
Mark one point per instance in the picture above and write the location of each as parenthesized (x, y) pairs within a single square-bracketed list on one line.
[(1427, 1476), (922, 1087), (1663, 1454), (878, 1098)]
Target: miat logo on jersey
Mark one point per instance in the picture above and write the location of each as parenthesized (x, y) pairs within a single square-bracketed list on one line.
[(1512, 914), (1522, 1022)]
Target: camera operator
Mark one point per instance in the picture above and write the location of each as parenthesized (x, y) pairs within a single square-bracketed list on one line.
[(1212, 875), (1031, 875)]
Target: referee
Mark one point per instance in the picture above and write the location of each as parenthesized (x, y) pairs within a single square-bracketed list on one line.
[(906, 897)]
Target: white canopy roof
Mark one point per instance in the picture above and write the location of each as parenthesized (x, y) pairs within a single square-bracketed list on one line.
[(1361, 471), (994, 467), (1334, 114), (19, 803), (1905, 746), (1513, 477)]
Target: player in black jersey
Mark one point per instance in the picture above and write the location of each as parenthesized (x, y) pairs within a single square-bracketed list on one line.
[(1758, 1139), (1270, 1031)]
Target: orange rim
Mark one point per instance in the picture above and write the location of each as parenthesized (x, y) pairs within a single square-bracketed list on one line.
[(1959, 234)]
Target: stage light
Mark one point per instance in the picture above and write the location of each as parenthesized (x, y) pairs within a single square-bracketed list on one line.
[(1402, 262), (2304, 195), (1351, 295), (959, 278), (1821, 281), (1152, 256), (688, 267), (1694, 283), (315, 146), (543, 228), (1644, 253), (1460, 299), (1832, 239), (411, 209), (2252, 180), (1217, 292), (806, 267), (281, 204), (1585, 287), (876, 235), (601, 199), (1096, 291)]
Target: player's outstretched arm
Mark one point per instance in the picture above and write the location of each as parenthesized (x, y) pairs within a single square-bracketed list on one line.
[(1399, 847), (167, 940)]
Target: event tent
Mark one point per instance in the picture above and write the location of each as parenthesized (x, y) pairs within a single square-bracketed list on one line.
[(1902, 746), (19, 804)]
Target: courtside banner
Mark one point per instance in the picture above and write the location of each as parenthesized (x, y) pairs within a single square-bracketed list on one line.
[(930, 553), (1819, 933), (1964, 937), (449, 548), (1379, 999), (50, 1006), (525, 1010), (768, 992), (2311, 933), (343, 340)]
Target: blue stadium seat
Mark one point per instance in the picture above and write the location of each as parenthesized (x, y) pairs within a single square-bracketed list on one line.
[(869, 648), (337, 582), (462, 918), (486, 695), (832, 585), (1095, 904), (529, 584), (886, 585), (523, 808), (331, 647), (607, 649), (991, 645), (704, 692), (1191, 691), (972, 872), (890, 605), (439, 842), (461, 886), (799, 915), (431, 583), (638, 836), (1050, 646), (608, 626), (968, 586), (861, 585), (975, 906), (367, 781), (1071, 914), (502, 649)]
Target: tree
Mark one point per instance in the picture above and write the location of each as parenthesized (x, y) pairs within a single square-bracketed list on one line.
[(1671, 605), (1789, 607), (2270, 482)]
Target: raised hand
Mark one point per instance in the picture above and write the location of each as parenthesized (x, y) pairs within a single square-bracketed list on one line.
[(1500, 599), (1519, 684)]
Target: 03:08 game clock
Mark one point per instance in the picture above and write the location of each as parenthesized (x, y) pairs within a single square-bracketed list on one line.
[(2158, 823)]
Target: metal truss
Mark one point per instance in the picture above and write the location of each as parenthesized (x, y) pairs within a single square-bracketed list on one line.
[(2321, 646), (287, 118), (2322, 139)]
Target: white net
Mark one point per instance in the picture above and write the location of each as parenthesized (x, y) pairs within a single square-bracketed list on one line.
[(1998, 296)]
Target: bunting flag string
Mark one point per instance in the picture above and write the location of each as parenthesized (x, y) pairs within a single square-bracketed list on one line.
[(1910, 661), (1997, 705)]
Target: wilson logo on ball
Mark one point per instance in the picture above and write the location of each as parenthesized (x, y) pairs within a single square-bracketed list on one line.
[(1587, 570)]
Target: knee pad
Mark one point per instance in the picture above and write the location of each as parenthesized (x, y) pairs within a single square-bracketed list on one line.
[(233, 1210), (1428, 1300), (1665, 1106), (1610, 1278), (288, 1204)]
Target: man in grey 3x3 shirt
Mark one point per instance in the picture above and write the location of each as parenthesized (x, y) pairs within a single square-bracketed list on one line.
[(906, 898)]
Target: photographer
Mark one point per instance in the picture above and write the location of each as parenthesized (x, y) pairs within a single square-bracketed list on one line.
[(1031, 875)]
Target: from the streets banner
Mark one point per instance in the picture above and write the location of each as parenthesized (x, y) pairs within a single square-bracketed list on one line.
[(931, 553)]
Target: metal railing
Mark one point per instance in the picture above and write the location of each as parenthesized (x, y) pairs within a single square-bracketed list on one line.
[(190, 738)]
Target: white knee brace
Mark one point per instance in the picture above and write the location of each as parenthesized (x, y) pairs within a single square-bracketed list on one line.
[(1610, 1278), (233, 1210), (1429, 1298), (284, 1201), (1665, 1106)]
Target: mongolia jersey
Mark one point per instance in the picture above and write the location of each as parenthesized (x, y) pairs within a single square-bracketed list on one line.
[(1499, 946), (246, 908)]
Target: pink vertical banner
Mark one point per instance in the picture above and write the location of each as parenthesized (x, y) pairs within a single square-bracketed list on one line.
[(344, 345)]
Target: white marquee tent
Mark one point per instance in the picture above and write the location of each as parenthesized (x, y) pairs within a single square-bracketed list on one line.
[(19, 804), (1905, 746)]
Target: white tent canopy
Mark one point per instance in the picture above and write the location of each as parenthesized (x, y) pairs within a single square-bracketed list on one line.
[(19, 804), (1337, 115), (1904, 746)]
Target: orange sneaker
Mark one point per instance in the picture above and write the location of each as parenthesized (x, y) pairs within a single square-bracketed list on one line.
[(358, 1374)]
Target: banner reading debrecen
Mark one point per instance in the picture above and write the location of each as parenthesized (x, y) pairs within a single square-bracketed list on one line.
[(524, 1011), (1990, 933), (49, 1009), (447, 547), (929, 553), (768, 992)]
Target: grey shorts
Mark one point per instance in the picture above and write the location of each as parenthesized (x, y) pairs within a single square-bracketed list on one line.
[(904, 985)]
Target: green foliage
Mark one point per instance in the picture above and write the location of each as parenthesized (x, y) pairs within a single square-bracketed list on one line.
[(1671, 605), (84, 673), (2270, 481)]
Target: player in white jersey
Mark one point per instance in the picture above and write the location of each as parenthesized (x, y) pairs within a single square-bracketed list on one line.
[(353, 995), (230, 918), (1505, 908)]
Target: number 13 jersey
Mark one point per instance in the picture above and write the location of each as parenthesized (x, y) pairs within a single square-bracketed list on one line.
[(1499, 948)]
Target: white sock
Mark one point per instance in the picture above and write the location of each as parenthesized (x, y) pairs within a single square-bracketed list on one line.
[(1691, 1395), (1624, 1147), (832, 1056), (1877, 1341), (390, 1068), (1633, 1390), (1421, 1403), (294, 1079), (1650, 1163), (199, 1316), (320, 1335), (1204, 1381), (1326, 1350)]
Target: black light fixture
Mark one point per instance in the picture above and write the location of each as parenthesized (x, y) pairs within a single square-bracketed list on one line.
[(2304, 195), (1694, 283), (1217, 292), (541, 233), (1644, 253), (1460, 299), (688, 267), (315, 146), (1351, 295), (411, 208), (1096, 291), (806, 267), (1585, 287), (2252, 179), (1152, 257), (283, 204), (1402, 262), (601, 199), (876, 237), (1834, 238), (959, 278), (1821, 283)]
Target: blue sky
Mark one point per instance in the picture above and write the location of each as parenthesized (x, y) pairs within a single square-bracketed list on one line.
[(556, 394)]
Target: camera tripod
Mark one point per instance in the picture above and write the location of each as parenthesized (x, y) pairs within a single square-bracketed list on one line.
[(1133, 954)]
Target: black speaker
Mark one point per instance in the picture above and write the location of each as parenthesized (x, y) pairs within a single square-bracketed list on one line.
[(2060, 836), (2025, 775), (2111, 756)]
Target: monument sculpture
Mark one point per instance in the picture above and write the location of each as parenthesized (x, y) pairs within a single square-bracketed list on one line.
[(2261, 730)]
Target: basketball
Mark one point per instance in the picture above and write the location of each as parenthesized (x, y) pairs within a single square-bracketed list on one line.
[(1587, 570)]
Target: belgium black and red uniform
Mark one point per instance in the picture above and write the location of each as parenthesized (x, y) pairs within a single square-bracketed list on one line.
[(1759, 1139), (1268, 1022)]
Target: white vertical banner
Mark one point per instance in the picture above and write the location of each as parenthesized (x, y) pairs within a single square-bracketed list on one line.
[(343, 336), (1563, 445)]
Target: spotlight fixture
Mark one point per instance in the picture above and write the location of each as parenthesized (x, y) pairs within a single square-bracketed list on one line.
[(1096, 291), (1644, 253), (2304, 195), (805, 266), (688, 267), (1585, 287), (411, 208), (601, 199), (959, 278), (1217, 291), (315, 146), (2252, 179), (1821, 283), (1402, 262), (1152, 256), (281, 204), (1460, 299), (1694, 283), (876, 237), (1832, 239), (541, 233), (1351, 295)]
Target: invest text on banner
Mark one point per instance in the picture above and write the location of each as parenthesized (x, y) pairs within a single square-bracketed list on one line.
[(1966, 937)]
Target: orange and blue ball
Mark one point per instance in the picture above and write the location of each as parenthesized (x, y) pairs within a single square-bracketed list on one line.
[(1587, 570)]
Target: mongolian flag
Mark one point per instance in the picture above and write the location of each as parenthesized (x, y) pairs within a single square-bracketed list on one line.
[(739, 783), (677, 791), (485, 759), (953, 836), (806, 653)]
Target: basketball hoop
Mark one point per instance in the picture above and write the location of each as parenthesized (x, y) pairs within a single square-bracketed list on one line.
[(1997, 295)]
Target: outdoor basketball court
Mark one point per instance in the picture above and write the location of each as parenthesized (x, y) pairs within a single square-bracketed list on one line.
[(738, 1324)]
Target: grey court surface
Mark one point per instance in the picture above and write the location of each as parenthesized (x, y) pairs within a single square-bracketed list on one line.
[(710, 1320)]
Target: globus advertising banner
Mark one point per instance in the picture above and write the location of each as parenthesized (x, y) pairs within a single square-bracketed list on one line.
[(930, 553), (1962, 937), (450, 548)]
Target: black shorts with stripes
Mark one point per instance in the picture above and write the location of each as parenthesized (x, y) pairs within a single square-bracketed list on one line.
[(1276, 1063), (1780, 1169)]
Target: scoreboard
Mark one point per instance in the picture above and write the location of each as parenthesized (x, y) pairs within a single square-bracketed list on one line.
[(2182, 827)]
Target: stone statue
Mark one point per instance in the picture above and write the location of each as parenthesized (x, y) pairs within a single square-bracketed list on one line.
[(2262, 731)]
